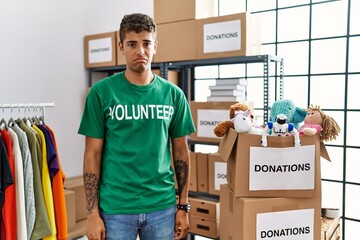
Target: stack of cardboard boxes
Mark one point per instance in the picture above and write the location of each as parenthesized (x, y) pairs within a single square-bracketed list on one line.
[(75, 207), (191, 30), (273, 192), (187, 30)]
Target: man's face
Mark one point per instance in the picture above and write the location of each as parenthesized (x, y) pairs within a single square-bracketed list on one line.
[(138, 49)]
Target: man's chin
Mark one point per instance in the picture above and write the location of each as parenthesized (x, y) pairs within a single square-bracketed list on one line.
[(140, 68)]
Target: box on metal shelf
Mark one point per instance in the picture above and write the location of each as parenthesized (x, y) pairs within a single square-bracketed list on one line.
[(204, 216), (176, 41), (166, 11), (204, 227), (279, 170), (100, 50), (207, 115), (173, 76), (202, 172), (228, 36), (193, 172), (76, 184), (70, 209), (268, 218), (217, 173), (205, 208)]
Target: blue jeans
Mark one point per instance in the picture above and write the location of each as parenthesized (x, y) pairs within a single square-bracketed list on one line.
[(157, 225)]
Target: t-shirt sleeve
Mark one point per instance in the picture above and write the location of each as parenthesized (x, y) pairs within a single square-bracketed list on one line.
[(182, 123), (92, 122)]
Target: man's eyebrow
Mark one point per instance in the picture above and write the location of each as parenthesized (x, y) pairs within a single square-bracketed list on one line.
[(131, 41)]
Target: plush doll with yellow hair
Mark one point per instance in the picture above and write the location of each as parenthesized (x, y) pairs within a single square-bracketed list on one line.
[(238, 108), (316, 121)]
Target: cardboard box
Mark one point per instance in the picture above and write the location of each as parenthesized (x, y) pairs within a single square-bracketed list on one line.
[(204, 227), (228, 36), (217, 173), (202, 172), (79, 231), (193, 172), (70, 209), (120, 58), (176, 42), (206, 116), (76, 184), (173, 76), (100, 50), (330, 228), (262, 218), (208, 209), (166, 11), (256, 171)]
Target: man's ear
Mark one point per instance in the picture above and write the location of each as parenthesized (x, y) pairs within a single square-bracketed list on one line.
[(155, 46), (121, 47)]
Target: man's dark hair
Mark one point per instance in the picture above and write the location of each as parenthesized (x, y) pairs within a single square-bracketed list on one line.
[(136, 22)]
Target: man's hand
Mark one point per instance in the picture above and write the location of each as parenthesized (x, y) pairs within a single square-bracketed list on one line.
[(181, 224), (95, 229)]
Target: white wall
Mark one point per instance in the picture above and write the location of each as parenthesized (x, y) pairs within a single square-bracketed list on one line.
[(42, 60)]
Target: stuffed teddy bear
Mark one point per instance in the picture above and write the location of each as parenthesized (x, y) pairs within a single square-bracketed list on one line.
[(223, 127), (294, 115), (316, 121)]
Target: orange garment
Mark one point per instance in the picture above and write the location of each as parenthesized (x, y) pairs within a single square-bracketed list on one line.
[(59, 197), (9, 207)]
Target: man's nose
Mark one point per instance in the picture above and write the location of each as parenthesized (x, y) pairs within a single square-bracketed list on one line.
[(140, 51)]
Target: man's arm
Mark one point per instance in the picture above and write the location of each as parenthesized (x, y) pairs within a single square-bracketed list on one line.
[(181, 158), (91, 174)]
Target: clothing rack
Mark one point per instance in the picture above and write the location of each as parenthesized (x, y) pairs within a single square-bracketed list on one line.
[(29, 106), (26, 105)]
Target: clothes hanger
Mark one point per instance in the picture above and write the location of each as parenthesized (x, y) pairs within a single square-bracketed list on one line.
[(35, 119), (3, 122), (42, 117), (11, 121)]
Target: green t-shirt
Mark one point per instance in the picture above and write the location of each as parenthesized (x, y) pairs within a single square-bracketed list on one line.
[(136, 123)]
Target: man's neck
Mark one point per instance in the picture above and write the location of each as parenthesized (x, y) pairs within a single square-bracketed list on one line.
[(142, 79)]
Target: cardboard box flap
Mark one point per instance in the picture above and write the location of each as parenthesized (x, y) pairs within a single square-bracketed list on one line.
[(226, 144), (323, 152)]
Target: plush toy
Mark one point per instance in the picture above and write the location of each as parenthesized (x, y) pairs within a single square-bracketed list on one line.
[(316, 121), (280, 128), (294, 115), (223, 127), (243, 123)]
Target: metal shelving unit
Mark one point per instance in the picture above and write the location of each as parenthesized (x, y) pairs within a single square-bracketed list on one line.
[(186, 69), (187, 73)]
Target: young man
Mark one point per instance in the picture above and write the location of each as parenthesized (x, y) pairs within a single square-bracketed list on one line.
[(127, 120)]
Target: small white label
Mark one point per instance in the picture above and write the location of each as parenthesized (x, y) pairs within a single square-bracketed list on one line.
[(220, 174), (222, 36), (285, 225), (208, 119), (100, 50), (290, 168)]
